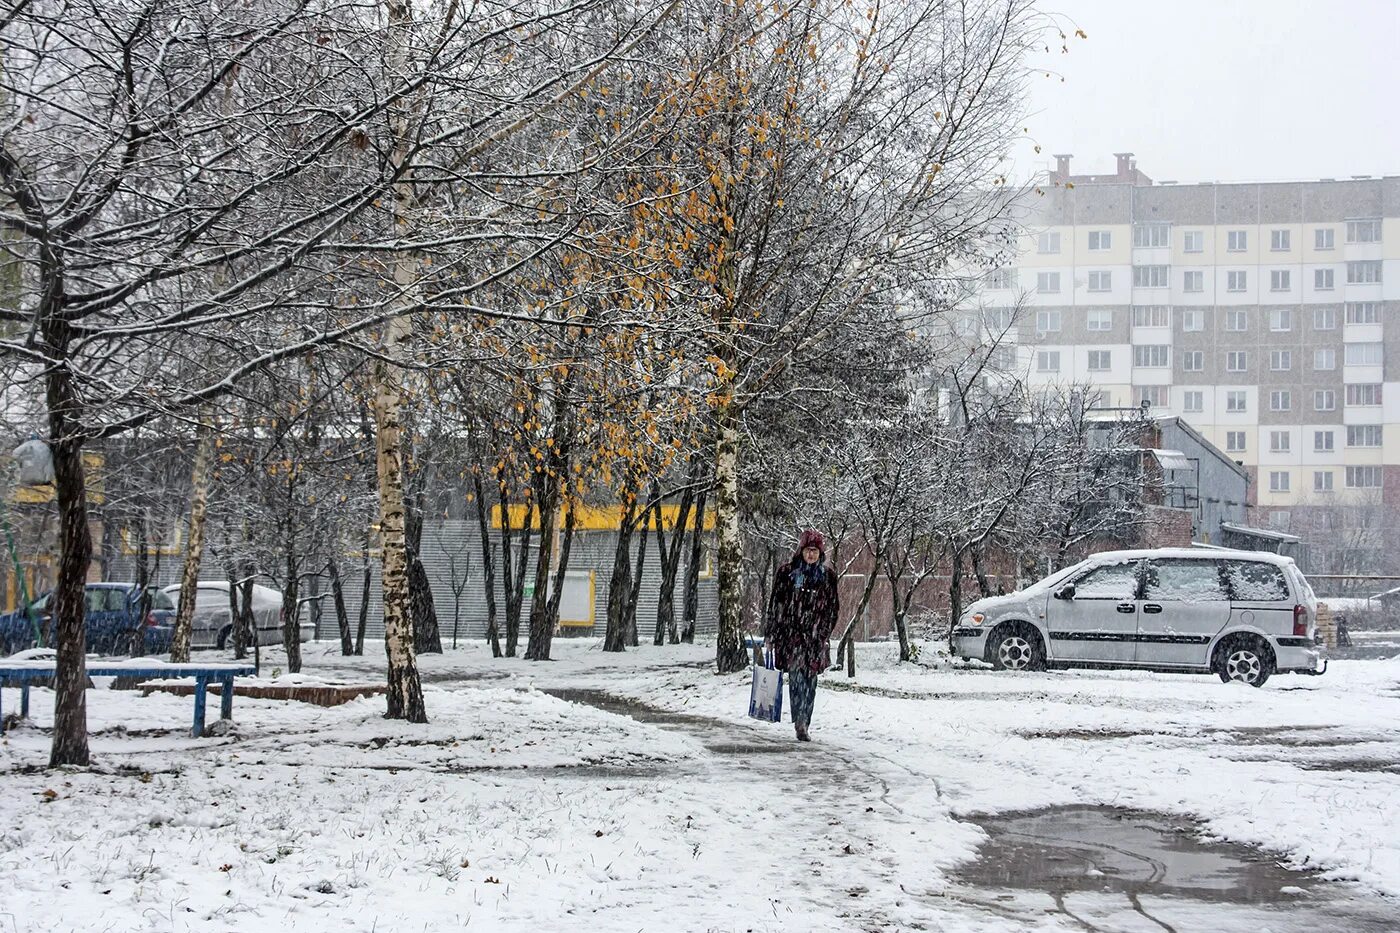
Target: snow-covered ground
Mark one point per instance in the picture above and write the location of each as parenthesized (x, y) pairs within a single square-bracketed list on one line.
[(514, 809)]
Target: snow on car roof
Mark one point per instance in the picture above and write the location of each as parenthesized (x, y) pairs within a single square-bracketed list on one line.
[(1267, 557)]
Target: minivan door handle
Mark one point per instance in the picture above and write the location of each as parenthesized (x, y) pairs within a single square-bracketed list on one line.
[(1126, 607), (1152, 607)]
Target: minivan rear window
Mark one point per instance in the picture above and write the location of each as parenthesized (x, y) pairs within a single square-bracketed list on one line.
[(1253, 581)]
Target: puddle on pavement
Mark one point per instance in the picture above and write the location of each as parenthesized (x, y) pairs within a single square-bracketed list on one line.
[(1131, 852), (1106, 868)]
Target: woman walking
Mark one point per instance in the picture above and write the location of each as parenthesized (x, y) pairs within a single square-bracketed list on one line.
[(801, 616)]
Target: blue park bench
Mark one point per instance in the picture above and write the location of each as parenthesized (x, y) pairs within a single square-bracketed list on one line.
[(27, 671)]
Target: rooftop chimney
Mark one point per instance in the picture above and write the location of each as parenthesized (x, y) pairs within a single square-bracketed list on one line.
[(1062, 165)]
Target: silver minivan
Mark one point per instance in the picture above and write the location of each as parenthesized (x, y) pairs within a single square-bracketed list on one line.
[(1241, 614)]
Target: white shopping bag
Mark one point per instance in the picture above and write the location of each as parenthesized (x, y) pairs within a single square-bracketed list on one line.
[(766, 697)]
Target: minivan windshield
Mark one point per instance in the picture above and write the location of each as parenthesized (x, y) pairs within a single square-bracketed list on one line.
[(160, 599)]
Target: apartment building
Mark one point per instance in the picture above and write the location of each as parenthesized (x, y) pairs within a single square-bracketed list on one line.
[(1265, 315)]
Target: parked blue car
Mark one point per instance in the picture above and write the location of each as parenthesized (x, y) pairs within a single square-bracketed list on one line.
[(113, 615)]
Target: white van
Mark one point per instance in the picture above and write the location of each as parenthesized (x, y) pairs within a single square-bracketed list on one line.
[(1241, 614)]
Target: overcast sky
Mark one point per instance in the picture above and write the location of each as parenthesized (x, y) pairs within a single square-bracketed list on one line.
[(1223, 90)]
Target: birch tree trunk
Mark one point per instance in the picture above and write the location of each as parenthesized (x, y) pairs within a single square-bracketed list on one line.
[(194, 547), (729, 654), (405, 694)]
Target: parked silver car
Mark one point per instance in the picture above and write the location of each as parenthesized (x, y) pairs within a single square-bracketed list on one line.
[(1241, 614), (213, 627)]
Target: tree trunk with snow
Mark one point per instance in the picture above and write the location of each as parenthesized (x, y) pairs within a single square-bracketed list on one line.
[(70, 745), (488, 566), (691, 611), (541, 626), (291, 612), (730, 656), (194, 545), (342, 617), (620, 585), (670, 557)]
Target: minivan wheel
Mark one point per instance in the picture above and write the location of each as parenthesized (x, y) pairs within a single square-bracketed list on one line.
[(1245, 661), (1017, 648)]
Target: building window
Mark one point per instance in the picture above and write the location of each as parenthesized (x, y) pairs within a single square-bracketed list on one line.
[(1151, 315), (1150, 357), (1324, 359), (1280, 442), (1363, 231), (1234, 441), (1047, 322), (1002, 358), (1193, 242), (1100, 319), (1236, 361), (1363, 312), (1324, 280), (1367, 272), (998, 319), (1322, 481), (1278, 481), (1323, 442), (1100, 239), (1147, 236), (1237, 241), (1048, 243), (1280, 319), (1001, 278), (1193, 401), (1236, 402), (1281, 400), (1193, 281), (1193, 361), (1237, 319), (1364, 395), (1280, 280), (1236, 281), (1325, 400), (1047, 283), (1100, 360), (1364, 354), (1280, 361), (1047, 361), (1149, 276), (1100, 281), (1280, 241), (1363, 435), (1324, 318), (1152, 396), (1193, 320), (1363, 477), (1324, 238)]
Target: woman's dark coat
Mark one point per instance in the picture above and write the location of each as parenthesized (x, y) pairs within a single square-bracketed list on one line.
[(801, 618)]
